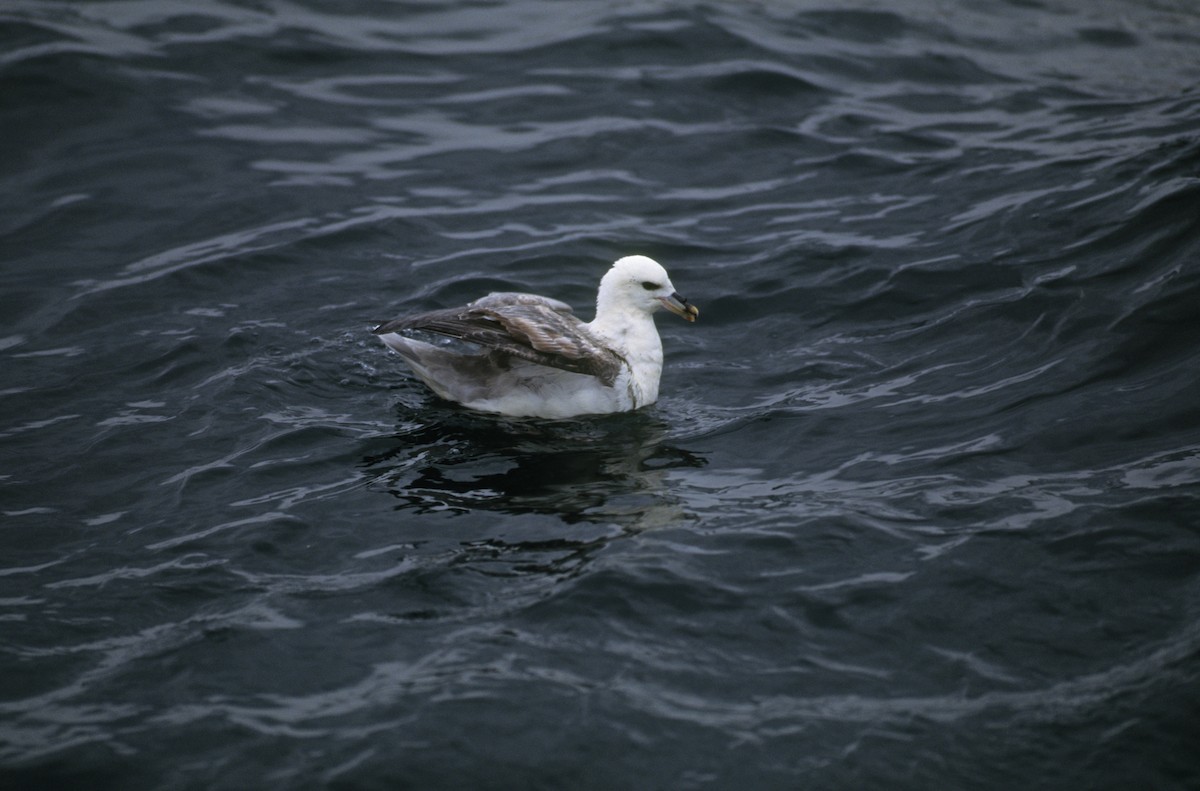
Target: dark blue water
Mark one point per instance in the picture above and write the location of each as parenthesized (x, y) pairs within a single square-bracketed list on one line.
[(919, 506)]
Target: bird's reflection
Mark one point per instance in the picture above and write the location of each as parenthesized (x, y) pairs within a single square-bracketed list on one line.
[(560, 494), (609, 469)]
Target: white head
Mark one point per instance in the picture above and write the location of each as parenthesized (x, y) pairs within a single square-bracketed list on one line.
[(640, 283)]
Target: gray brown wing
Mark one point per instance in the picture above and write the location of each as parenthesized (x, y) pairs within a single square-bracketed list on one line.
[(526, 327)]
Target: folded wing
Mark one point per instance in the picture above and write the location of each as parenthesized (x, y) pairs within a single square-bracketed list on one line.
[(525, 326)]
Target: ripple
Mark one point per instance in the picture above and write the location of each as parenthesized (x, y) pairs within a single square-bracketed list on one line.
[(923, 474)]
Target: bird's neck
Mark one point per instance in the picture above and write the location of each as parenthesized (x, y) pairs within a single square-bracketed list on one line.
[(633, 335), (632, 332)]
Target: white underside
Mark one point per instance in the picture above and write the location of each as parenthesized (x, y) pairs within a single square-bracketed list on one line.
[(521, 389)]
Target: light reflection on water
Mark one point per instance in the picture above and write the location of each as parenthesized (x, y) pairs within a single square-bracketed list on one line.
[(919, 492)]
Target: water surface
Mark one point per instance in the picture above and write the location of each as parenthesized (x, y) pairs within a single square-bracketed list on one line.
[(918, 507)]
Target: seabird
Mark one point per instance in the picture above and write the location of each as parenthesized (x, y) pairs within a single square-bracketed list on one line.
[(526, 355)]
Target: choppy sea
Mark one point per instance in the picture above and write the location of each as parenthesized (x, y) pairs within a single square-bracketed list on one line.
[(919, 506)]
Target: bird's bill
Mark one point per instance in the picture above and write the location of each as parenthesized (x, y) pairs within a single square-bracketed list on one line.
[(678, 305)]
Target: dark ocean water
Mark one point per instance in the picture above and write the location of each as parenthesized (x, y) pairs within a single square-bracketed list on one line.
[(920, 504)]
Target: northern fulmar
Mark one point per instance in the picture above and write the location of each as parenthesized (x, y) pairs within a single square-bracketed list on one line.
[(526, 355)]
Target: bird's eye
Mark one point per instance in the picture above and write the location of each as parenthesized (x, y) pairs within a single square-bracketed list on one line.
[(646, 284)]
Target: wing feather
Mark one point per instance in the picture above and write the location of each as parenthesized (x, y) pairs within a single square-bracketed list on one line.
[(524, 326)]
